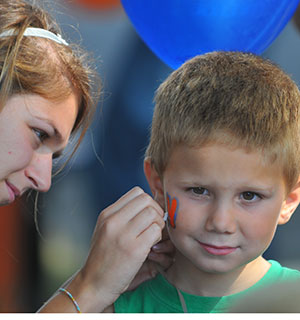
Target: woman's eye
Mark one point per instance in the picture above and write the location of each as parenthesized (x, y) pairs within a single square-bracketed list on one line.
[(56, 156), (250, 196), (199, 191), (41, 135)]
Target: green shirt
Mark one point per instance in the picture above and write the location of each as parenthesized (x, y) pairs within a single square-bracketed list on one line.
[(159, 296)]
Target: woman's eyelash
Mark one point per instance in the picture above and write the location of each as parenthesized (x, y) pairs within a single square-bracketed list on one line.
[(41, 134), (57, 155)]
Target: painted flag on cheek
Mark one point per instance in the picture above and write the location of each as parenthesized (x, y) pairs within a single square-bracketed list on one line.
[(172, 210)]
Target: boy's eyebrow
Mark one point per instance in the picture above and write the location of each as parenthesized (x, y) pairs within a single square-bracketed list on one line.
[(250, 186)]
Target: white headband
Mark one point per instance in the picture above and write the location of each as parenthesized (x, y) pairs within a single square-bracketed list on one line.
[(36, 32)]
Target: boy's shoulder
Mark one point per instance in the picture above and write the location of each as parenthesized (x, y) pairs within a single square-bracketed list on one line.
[(153, 296), (277, 273), (159, 296), (277, 291)]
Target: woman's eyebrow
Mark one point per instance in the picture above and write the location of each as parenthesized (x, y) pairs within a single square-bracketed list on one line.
[(57, 133)]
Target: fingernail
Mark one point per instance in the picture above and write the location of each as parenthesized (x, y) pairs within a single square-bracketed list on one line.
[(156, 247), (151, 255)]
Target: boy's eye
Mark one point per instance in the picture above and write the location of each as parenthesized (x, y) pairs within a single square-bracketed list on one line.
[(41, 135), (199, 191), (250, 196)]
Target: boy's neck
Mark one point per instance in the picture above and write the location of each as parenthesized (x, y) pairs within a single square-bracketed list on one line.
[(185, 276)]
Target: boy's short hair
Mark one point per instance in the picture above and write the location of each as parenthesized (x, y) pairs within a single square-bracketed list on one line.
[(237, 99)]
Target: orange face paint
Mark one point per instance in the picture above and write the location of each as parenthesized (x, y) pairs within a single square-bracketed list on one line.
[(173, 205)]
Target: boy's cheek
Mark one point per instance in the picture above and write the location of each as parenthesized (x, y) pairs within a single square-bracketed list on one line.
[(178, 212)]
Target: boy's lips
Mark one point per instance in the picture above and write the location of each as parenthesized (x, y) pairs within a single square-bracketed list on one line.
[(217, 250)]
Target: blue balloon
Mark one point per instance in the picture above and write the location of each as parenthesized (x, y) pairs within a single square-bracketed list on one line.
[(176, 30)]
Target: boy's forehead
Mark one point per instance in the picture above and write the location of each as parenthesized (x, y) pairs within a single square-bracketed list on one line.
[(222, 139), (211, 150), (217, 161)]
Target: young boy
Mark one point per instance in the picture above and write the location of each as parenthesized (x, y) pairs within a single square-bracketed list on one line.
[(224, 161)]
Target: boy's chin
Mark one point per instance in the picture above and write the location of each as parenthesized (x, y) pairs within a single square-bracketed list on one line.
[(206, 266)]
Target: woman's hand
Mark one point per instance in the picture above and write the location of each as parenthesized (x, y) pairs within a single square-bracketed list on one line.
[(124, 235)]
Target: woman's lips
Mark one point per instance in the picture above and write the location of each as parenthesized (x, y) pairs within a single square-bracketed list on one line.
[(217, 250), (12, 191)]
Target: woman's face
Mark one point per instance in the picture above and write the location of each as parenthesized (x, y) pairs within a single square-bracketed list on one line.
[(33, 130)]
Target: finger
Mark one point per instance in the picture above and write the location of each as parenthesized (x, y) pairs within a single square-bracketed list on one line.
[(126, 198), (137, 194), (137, 205), (149, 237), (163, 260), (145, 219), (146, 200), (164, 246), (138, 200)]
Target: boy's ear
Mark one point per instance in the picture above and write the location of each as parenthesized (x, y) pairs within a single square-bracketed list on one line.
[(154, 182), (290, 204)]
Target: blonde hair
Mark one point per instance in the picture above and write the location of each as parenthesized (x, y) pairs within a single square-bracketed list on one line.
[(33, 65), (237, 99)]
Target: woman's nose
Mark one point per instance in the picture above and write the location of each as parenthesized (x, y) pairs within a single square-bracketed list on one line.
[(221, 218), (39, 172)]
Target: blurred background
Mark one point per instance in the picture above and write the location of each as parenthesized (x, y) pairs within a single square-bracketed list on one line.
[(109, 161)]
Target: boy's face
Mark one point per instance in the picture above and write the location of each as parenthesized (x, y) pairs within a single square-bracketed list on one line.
[(229, 205)]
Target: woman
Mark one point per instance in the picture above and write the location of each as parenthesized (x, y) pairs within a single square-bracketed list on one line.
[(45, 97)]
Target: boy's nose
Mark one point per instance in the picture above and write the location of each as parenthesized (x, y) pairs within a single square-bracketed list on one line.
[(39, 172), (221, 219)]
